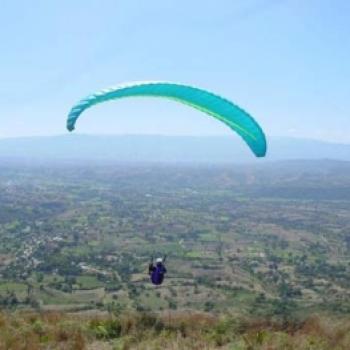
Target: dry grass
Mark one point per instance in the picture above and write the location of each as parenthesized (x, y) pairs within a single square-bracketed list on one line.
[(52, 330)]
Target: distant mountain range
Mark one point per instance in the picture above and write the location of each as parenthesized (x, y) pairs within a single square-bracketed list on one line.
[(218, 149)]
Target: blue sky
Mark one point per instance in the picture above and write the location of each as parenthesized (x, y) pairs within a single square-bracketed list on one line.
[(286, 62)]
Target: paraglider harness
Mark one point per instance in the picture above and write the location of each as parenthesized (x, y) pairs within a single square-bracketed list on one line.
[(157, 271)]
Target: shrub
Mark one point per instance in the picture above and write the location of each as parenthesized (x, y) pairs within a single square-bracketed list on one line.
[(106, 329)]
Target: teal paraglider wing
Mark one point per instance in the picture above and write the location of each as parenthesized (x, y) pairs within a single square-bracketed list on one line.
[(220, 108)]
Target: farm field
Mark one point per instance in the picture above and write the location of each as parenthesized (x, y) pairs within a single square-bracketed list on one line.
[(271, 240)]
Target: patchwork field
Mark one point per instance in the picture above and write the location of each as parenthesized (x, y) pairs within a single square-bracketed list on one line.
[(267, 241)]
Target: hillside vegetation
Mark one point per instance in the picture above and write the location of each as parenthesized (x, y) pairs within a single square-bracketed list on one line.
[(177, 331)]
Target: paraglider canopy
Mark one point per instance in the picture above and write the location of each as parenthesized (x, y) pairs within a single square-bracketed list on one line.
[(218, 107)]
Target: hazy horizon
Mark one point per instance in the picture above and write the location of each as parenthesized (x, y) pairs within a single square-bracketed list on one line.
[(161, 148), (229, 135)]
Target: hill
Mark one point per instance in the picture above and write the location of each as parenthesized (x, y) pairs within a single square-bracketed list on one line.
[(140, 148)]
